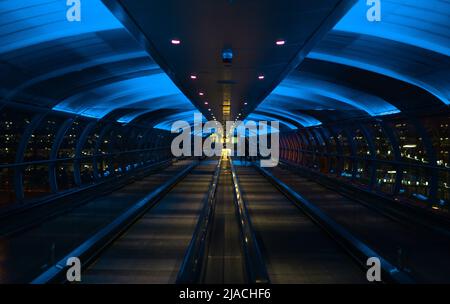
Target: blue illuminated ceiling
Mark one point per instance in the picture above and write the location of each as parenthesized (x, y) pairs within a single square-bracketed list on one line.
[(95, 68), (411, 44), (92, 68), (418, 23)]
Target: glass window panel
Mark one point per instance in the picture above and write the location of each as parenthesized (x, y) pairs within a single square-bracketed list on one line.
[(107, 142), (12, 125), (40, 144), (347, 169), (35, 181), (69, 142), (87, 173), (91, 141), (362, 146), (332, 161), (386, 175), (7, 195), (345, 144), (443, 194), (381, 142), (64, 176), (411, 144), (363, 172), (439, 132), (416, 183)]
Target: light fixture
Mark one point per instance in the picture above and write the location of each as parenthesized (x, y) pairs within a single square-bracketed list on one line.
[(245, 103), (206, 102), (209, 109), (201, 93), (280, 42), (261, 77), (176, 41), (227, 56), (193, 77)]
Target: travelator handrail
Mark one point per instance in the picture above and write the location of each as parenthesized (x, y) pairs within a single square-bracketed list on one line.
[(60, 202), (396, 210), (194, 261), (356, 248), (93, 246), (255, 265)]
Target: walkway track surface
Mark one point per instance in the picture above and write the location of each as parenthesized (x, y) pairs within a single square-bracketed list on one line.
[(26, 255), (225, 263), (425, 253), (295, 249), (152, 249)]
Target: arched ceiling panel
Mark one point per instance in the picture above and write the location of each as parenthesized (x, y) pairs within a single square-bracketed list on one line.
[(142, 93), (92, 68), (187, 116), (423, 23), (29, 22), (384, 65)]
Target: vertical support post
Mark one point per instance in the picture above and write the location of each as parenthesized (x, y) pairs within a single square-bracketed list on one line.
[(20, 155), (54, 153)]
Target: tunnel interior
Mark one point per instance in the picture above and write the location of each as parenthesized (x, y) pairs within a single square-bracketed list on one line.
[(87, 109)]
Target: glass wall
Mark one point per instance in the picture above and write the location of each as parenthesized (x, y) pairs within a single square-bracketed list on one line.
[(39, 153), (399, 157), (13, 124)]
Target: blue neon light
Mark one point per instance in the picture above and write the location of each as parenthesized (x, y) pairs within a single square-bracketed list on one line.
[(420, 23), (28, 22), (380, 69), (148, 92), (187, 116), (326, 94)]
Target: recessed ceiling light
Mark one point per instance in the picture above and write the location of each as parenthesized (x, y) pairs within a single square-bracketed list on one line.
[(206, 102), (201, 93), (175, 41), (261, 77), (194, 77), (209, 109), (245, 103), (280, 42)]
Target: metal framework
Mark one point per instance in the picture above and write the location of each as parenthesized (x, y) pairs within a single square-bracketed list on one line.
[(297, 145)]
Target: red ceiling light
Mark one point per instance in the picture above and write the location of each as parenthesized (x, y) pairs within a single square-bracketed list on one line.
[(176, 41), (280, 42)]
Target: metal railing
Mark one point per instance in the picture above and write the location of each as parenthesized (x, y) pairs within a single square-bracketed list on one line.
[(255, 265), (194, 261), (356, 248), (92, 247)]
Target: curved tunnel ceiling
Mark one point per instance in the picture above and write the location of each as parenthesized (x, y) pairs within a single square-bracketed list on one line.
[(247, 30), (407, 52), (92, 68), (96, 68)]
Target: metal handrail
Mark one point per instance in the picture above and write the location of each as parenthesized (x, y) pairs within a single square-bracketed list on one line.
[(124, 177), (356, 248), (194, 260), (92, 247), (255, 265)]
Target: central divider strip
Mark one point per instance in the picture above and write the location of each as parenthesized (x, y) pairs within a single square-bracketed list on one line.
[(88, 250), (194, 261), (255, 265)]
